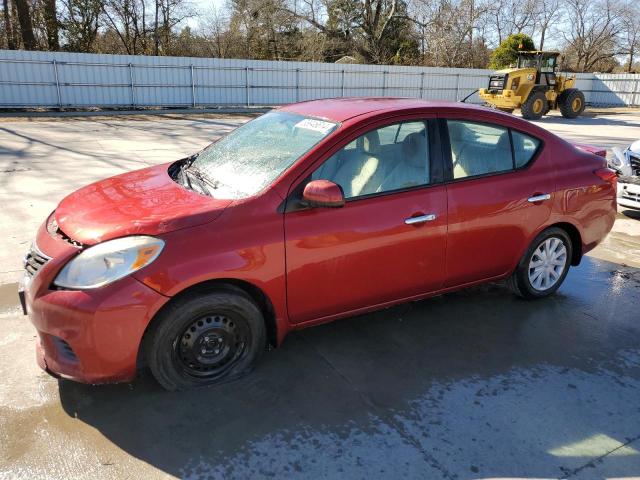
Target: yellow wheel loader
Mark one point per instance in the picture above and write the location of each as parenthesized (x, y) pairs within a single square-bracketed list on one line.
[(534, 87)]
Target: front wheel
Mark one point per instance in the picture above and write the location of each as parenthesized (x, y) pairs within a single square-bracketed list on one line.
[(205, 339), (535, 106), (544, 265)]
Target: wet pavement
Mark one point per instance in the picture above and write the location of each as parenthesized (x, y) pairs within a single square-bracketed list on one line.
[(473, 384)]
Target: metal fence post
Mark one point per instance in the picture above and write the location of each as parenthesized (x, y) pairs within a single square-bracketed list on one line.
[(384, 83), (342, 87), (246, 83), (422, 85), (133, 87), (297, 84), (55, 73), (193, 89), (457, 85)]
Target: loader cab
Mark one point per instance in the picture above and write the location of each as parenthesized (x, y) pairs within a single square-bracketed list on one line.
[(545, 64)]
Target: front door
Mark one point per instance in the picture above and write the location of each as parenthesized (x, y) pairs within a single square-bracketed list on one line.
[(388, 241)]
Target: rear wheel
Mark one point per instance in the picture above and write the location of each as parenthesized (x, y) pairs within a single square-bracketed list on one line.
[(571, 103), (535, 106), (205, 339), (544, 266)]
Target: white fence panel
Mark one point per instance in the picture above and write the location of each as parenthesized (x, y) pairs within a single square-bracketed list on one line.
[(69, 80)]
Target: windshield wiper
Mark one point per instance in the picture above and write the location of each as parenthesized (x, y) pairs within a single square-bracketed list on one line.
[(205, 183), (182, 176)]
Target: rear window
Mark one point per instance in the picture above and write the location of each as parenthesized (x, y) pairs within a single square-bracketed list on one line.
[(484, 148), (524, 147)]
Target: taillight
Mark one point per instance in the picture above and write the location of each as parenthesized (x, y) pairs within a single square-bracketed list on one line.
[(608, 175)]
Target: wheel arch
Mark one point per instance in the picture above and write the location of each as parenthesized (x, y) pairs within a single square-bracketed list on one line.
[(576, 240), (254, 292)]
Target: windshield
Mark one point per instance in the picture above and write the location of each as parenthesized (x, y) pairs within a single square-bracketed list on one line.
[(254, 155), (525, 61)]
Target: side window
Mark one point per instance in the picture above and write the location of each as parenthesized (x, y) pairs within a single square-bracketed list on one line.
[(478, 148), (390, 158), (524, 147)]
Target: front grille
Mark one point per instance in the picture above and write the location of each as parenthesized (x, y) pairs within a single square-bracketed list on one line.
[(631, 196), (64, 349), (635, 164), (496, 82), (34, 260)]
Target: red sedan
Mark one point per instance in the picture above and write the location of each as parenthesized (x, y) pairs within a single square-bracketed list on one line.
[(312, 212)]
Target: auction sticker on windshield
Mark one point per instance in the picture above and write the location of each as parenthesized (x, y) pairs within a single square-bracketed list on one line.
[(315, 125)]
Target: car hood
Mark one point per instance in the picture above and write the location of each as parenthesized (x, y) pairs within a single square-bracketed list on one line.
[(145, 201)]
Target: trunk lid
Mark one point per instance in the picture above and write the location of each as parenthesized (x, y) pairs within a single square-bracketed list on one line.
[(600, 151)]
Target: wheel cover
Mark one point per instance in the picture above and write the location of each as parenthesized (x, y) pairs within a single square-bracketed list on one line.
[(210, 345), (547, 264), (538, 105), (576, 104)]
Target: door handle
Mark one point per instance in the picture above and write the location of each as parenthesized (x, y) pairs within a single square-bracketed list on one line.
[(420, 219), (539, 198)]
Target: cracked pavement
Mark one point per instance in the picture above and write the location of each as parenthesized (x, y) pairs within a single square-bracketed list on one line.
[(475, 384)]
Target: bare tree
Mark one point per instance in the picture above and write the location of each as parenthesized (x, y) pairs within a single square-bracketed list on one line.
[(591, 36), (80, 22), (365, 25), (8, 28), (546, 14), (26, 27), (506, 17), (50, 15), (630, 32), (448, 32)]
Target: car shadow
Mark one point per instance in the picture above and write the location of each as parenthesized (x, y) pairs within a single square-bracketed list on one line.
[(635, 214), (471, 384)]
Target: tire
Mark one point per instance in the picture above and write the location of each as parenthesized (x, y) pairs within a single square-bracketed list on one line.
[(530, 286), (571, 103), (546, 108), (205, 339), (534, 106)]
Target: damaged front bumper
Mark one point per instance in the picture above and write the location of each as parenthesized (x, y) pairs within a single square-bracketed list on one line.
[(629, 192)]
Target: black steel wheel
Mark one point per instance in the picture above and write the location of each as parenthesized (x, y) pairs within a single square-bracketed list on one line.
[(211, 344), (205, 339)]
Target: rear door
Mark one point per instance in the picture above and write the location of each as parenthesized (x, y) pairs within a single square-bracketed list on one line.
[(387, 242), (500, 186)]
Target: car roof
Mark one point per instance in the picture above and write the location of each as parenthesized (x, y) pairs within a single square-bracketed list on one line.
[(341, 109)]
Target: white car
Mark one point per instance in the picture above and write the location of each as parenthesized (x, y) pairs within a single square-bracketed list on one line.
[(627, 164)]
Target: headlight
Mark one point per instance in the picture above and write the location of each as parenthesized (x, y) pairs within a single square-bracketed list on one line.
[(109, 261)]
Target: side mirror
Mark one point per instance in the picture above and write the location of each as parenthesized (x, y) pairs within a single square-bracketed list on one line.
[(323, 193)]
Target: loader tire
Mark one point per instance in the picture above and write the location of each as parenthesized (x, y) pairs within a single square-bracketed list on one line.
[(535, 106), (571, 103)]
